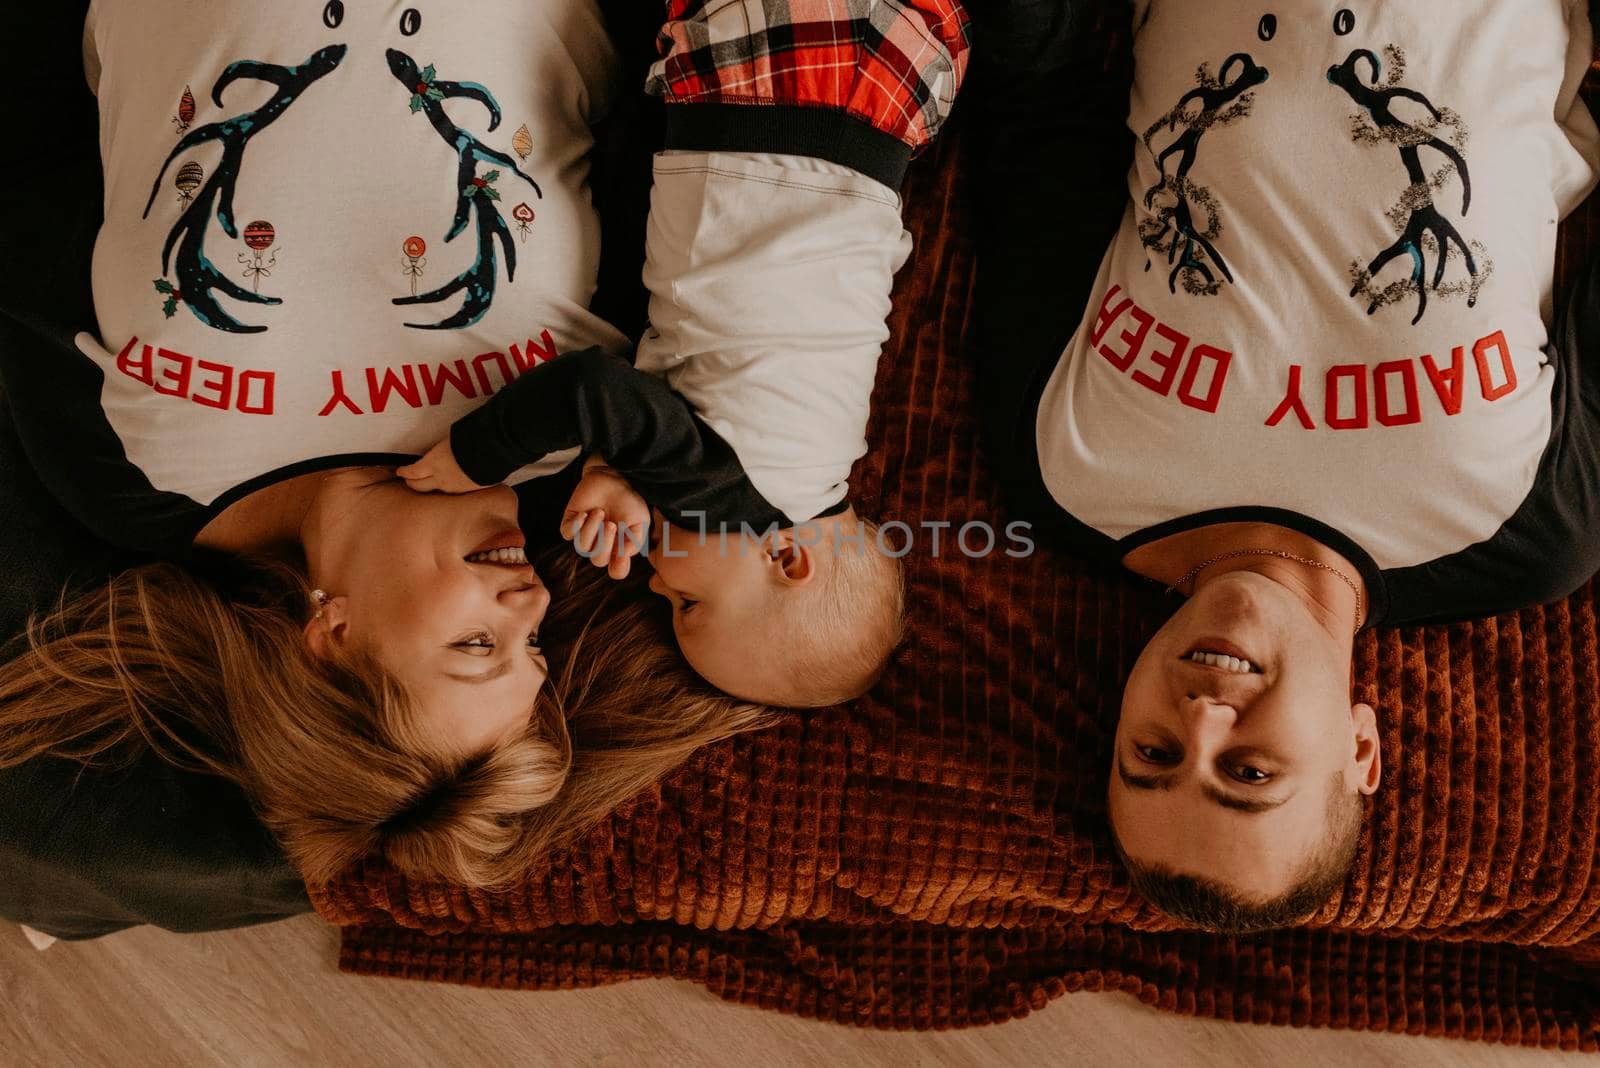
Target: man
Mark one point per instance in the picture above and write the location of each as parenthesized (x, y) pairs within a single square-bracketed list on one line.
[(1264, 319)]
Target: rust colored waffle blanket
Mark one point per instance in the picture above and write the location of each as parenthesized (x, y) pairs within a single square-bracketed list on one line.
[(938, 856)]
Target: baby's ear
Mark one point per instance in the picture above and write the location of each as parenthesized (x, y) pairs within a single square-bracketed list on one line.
[(795, 558)]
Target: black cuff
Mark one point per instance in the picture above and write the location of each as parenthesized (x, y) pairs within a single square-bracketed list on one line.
[(789, 129), (470, 444)]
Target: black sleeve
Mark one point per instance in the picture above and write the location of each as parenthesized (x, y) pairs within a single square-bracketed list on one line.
[(598, 402), (48, 226), (625, 145), (1053, 78), (43, 550), (1551, 545)]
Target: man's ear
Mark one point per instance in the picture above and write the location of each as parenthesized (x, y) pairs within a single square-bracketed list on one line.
[(1368, 753), (794, 556), (327, 630)]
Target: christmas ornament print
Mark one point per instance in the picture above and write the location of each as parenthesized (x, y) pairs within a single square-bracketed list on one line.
[(185, 113), (259, 236), (414, 247), (188, 179)]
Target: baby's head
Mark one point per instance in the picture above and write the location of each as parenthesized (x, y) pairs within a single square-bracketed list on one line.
[(1241, 763), (802, 617)]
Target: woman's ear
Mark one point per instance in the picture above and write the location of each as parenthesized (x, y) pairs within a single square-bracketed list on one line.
[(328, 629), (1368, 753)]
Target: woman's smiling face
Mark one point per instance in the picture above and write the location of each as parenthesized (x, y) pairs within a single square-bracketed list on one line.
[(437, 588)]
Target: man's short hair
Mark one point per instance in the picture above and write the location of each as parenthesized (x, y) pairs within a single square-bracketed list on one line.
[(1214, 906)]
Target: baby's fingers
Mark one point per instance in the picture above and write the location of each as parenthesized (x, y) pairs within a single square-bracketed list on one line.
[(571, 523), (588, 536), (606, 548), (418, 475), (621, 564), (634, 541)]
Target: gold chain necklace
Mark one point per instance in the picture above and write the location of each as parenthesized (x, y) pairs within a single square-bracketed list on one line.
[(1195, 572)]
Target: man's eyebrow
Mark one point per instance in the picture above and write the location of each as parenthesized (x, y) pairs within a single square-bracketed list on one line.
[(1220, 797), (482, 677)]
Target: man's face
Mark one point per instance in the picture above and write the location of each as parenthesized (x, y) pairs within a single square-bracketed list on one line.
[(1222, 771)]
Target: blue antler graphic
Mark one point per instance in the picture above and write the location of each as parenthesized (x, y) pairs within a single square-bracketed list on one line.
[(475, 194), (197, 275)]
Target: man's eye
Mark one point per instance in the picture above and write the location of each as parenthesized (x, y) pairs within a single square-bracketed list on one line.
[(1154, 754), (1247, 773)]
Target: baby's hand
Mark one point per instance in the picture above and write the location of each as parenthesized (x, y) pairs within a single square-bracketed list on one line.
[(605, 519), (437, 472)]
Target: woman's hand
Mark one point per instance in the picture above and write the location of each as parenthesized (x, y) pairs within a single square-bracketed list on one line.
[(605, 519), (437, 472)]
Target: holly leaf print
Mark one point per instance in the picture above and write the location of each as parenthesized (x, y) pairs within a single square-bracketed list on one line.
[(490, 193), (170, 308), (491, 176), (435, 94), (163, 286), (416, 103), (427, 74)]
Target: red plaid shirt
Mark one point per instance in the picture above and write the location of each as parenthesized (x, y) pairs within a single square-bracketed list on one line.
[(895, 64)]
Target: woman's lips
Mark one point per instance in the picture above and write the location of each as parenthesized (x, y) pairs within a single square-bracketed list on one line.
[(510, 538)]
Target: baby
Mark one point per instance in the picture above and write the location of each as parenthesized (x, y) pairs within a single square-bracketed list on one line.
[(773, 240), (798, 614)]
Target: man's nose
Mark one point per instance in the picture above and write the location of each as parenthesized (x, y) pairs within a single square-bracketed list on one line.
[(1206, 716)]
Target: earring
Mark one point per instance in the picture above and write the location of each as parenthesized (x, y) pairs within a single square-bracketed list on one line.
[(321, 597)]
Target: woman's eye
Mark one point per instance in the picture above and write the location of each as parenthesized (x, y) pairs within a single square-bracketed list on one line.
[(1154, 754), (1252, 775), (686, 606), (533, 645)]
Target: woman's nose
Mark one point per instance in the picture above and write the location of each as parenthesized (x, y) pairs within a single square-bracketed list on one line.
[(531, 597)]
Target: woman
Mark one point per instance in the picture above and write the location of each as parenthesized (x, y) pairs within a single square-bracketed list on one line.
[(362, 660), (1180, 377)]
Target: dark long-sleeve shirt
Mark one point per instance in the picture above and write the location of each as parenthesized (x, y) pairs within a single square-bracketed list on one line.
[(596, 401)]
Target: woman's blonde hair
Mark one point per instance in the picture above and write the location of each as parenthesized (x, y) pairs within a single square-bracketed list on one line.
[(208, 668)]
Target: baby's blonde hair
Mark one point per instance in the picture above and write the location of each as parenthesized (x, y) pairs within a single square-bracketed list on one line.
[(841, 632)]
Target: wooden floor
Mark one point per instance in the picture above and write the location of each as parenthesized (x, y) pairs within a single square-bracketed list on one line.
[(272, 996)]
